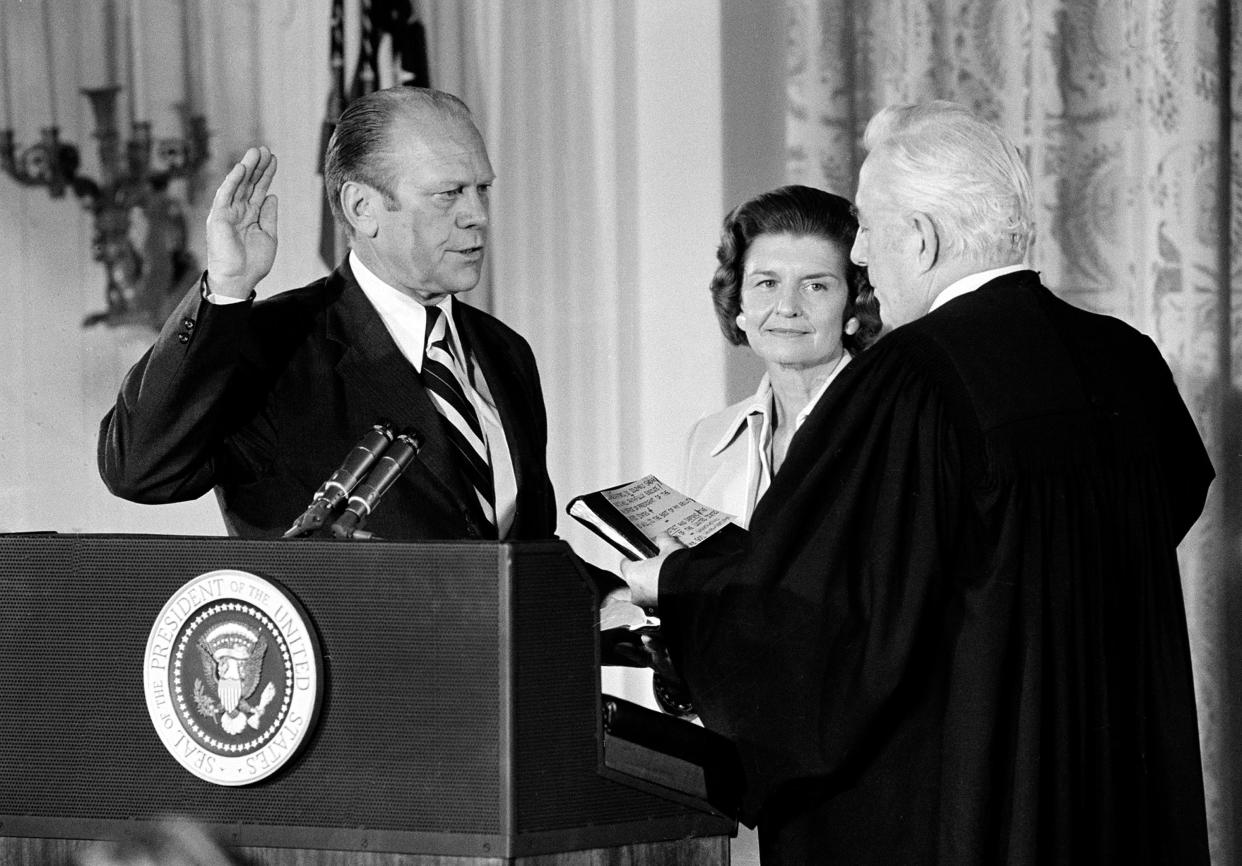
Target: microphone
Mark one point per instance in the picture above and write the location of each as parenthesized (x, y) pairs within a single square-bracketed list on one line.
[(368, 492), (342, 482)]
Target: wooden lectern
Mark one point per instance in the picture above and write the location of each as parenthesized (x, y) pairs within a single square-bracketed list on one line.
[(459, 721)]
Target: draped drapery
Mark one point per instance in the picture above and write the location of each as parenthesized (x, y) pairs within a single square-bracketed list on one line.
[(1128, 113)]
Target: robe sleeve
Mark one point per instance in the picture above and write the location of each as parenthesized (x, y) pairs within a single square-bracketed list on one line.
[(1187, 469), (804, 642)]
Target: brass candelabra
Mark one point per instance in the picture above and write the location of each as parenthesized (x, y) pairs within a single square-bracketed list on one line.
[(139, 232)]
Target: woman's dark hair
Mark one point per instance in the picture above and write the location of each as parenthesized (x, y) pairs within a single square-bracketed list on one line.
[(801, 211)]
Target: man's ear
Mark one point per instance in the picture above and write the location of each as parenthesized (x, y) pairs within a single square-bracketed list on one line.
[(928, 240), (358, 204)]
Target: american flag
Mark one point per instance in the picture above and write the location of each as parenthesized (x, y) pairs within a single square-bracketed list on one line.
[(392, 49)]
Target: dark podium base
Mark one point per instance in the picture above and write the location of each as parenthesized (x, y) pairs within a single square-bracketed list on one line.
[(460, 723), (710, 851)]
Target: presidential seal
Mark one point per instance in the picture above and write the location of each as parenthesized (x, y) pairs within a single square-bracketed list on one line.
[(232, 677)]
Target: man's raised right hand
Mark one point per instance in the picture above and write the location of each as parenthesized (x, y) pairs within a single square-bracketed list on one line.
[(241, 227)]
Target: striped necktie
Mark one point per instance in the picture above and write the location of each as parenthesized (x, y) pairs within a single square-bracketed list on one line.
[(444, 380)]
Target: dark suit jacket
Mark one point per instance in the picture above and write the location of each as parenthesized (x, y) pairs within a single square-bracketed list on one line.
[(263, 400)]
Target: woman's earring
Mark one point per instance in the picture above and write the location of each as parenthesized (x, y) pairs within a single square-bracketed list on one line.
[(741, 320), (851, 326)]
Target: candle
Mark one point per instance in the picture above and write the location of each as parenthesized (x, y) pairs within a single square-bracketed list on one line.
[(256, 55), (204, 55), (137, 94), (187, 71), (4, 66), (189, 48), (51, 57), (109, 42)]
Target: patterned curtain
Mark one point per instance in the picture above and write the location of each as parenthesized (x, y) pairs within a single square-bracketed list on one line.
[(1129, 113)]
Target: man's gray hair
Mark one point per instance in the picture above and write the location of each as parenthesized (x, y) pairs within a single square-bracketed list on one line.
[(963, 172), (361, 146)]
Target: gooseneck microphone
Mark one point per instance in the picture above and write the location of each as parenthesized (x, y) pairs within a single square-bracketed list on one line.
[(343, 481), (368, 492)]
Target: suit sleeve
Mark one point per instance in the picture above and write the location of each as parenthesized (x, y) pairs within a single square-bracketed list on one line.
[(160, 442), (545, 494)]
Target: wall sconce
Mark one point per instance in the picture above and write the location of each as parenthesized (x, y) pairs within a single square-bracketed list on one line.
[(49, 163), (134, 178), (132, 186)]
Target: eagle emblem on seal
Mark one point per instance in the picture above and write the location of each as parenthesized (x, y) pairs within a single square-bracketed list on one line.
[(232, 658)]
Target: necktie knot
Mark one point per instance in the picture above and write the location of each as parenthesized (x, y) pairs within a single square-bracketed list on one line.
[(437, 330)]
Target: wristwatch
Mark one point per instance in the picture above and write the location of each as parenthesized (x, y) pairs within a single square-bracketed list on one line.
[(672, 697)]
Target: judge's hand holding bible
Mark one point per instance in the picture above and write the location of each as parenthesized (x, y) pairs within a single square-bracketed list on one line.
[(643, 576), (241, 227)]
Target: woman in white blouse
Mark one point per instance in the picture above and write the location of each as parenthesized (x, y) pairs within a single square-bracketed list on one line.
[(786, 287)]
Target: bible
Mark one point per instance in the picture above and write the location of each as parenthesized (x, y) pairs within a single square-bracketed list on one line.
[(630, 516)]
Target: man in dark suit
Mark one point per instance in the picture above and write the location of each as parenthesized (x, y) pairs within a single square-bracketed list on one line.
[(955, 633), (263, 400)]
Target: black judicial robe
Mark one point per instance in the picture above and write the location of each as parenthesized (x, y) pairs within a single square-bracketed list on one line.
[(955, 633)]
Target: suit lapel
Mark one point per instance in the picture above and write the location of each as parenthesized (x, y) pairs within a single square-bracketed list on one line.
[(384, 385), (499, 368)]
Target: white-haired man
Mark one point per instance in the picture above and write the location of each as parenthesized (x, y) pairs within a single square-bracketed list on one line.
[(955, 634)]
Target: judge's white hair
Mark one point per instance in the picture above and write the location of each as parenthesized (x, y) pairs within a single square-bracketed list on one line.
[(961, 171)]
